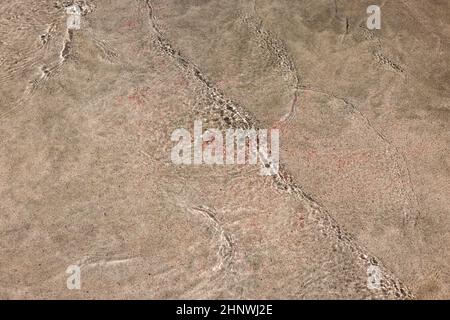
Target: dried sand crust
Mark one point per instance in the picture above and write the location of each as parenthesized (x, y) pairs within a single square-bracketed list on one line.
[(86, 178)]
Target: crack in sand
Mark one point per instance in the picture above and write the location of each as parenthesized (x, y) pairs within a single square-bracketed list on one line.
[(399, 159), (278, 49), (226, 250), (48, 71)]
